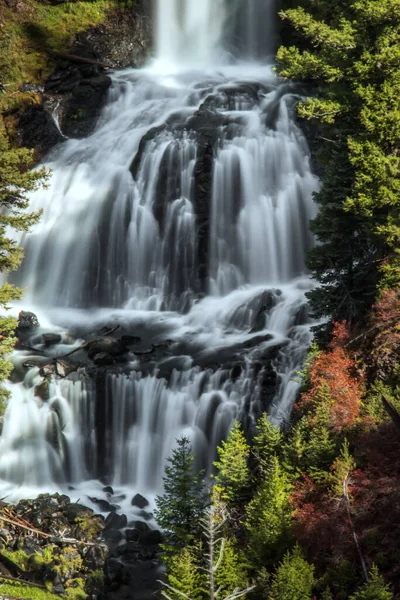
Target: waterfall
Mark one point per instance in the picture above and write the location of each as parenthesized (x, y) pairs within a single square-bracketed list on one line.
[(190, 31), (183, 222)]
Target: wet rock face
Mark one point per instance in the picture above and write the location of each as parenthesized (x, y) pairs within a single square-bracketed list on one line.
[(124, 40), (27, 324), (39, 119), (81, 88), (76, 92)]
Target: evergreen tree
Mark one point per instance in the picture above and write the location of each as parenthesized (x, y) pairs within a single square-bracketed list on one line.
[(327, 594), (16, 181), (294, 578), (267, 442), (350, 54), (184, 576), (185, 499), (269, 516), (375, 589), (233, 476), (231, 573)]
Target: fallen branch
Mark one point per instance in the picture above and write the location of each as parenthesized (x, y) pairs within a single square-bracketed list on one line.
[(83, 346), (81, 59), (110, 331), (365, 333), (392, 411), (54, 538), (25, 581)]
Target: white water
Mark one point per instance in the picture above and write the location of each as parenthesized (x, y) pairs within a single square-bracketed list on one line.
[(189, 32), (113, 250)]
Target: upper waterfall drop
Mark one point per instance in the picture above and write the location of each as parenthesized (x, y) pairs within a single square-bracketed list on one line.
[(200, 33), (189, 33)]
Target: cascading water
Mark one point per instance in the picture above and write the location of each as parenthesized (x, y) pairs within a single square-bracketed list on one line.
[(183, 220)]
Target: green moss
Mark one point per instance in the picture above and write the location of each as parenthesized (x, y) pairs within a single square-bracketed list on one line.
[(75, 589), (65, 564), (69, 562), (81, 523), (30, 37), (44, 558), (96, 578), (91, 527), (19, 557), (17, 590), (55, 26)]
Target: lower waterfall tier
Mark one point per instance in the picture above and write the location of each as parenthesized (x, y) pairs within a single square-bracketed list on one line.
[(115, 415)]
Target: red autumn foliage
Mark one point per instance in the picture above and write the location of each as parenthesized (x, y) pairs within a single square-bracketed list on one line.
[(321, 522), (333, 381)]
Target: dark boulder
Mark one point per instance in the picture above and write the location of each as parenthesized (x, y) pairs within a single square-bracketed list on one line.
[(105, 345), (102, 359), (27, 324), (27, 321), (102, 505), (139, 501), (113, 535), (130, 340), (83, 108), (115, 521), (42, 390), (132, 535), (236, 372), (51, 339), (141, 526), (151, 537), (145, 515)]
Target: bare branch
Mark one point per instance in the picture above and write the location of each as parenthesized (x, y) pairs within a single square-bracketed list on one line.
[(221, 555), (71, 541), (238, 594), (355, 537), (165, 595), (173, 589)]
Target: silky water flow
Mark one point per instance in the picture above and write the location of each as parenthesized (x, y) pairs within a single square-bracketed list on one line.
[(183, 219)]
